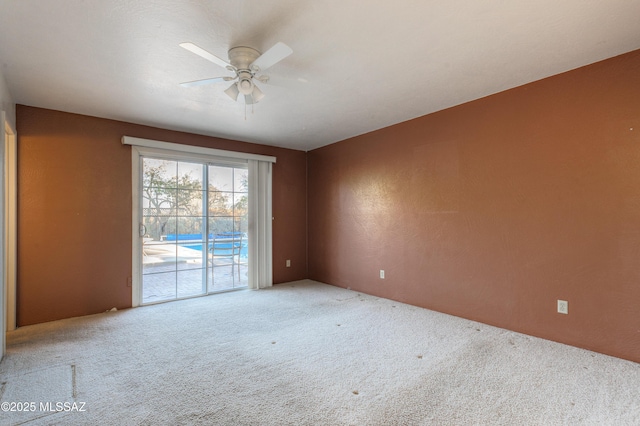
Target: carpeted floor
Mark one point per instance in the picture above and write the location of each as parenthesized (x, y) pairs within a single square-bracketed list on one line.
[(304, 353)]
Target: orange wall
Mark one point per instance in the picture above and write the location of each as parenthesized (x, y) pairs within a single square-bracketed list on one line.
[(74, 211), (494, 209)]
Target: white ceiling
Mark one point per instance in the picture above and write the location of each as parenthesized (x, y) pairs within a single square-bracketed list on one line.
[(356, 65)]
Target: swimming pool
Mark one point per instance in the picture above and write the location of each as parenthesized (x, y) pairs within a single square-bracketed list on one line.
[(192, 246), (198, 246)]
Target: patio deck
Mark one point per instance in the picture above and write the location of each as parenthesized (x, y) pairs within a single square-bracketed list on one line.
[(174, 272)]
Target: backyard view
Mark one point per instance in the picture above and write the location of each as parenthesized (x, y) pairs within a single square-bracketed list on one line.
[(195, 229)]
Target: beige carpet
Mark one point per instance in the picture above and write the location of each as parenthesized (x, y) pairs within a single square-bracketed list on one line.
[(305, 354)]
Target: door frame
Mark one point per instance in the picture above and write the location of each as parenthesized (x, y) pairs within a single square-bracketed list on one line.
[(158, 149), (8, 159)]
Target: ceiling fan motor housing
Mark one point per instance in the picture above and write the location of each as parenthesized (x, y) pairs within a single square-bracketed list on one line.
[(242, 57)]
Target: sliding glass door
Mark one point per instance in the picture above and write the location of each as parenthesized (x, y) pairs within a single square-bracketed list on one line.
[(194, 228), (227, 215)]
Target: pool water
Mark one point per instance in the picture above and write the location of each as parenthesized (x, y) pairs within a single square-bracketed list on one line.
[(193, 246), (198, 246)]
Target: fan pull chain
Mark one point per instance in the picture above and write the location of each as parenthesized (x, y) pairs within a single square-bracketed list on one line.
[(245, 107)]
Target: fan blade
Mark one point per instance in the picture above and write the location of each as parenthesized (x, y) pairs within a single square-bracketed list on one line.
[(206, 55), (278, 52), (205, 81)]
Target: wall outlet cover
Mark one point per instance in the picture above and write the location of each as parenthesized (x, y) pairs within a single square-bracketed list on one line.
[(563, 307)]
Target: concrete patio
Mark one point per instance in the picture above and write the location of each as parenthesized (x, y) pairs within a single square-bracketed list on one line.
[(173, 272)]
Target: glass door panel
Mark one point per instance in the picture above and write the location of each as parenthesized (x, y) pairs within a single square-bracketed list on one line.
[(173, 219), (195, 235), (227, 209)]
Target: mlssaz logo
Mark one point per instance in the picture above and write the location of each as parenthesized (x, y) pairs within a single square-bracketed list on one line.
[(63, 406)]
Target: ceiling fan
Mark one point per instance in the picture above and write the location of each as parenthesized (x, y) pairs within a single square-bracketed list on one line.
[(246, 63)]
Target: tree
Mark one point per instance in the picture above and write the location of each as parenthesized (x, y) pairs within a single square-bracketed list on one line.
[(169, 196), (173, 203), (241, 207)]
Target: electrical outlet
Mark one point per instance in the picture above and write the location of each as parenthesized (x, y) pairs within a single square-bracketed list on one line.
[(563, 307), (288, 263), (382, 274)]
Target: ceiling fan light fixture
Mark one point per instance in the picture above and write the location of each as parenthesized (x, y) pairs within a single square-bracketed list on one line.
[(245, 84), (233, 91), (257, 94)]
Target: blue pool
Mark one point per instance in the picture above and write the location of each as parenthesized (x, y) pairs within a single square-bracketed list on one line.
[(198, 246), (193, 246)]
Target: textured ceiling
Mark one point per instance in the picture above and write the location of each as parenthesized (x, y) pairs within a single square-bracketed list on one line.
[(356, 65)]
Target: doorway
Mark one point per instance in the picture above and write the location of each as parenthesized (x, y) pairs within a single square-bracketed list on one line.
[(211, 225), (194, 228)]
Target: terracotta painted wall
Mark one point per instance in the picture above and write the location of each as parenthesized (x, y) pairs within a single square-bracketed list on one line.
[(495, 209), (74, 211)]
